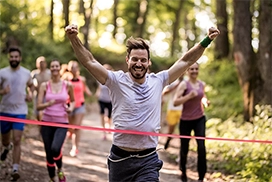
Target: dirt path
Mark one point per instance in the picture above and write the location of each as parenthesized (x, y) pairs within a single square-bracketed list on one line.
[(91, 163)]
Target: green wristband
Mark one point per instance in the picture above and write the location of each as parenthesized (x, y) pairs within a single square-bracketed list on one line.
[(205, 42)]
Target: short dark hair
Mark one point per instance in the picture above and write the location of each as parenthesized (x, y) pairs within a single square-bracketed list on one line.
[(53, 60), (137, 43), (15, 49)]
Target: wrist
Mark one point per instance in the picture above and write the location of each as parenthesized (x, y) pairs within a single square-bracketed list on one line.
[(205, 42)]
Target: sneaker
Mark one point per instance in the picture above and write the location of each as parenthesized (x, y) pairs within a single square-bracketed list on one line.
[(73, 152), (6, 151), (61, 177), (14, 176)]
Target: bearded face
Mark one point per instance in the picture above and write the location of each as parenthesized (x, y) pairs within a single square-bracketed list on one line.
[(138, 64), (14, 59)]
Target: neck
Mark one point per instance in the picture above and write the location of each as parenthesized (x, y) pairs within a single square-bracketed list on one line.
[(42, 69), (193, 80), (14, 69), (55, 79)]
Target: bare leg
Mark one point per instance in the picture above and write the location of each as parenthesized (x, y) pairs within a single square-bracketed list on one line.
[(17, 135), (103, 125), (171, 129), (76, 136)]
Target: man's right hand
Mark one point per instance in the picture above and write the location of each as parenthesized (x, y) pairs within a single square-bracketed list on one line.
[(71, 31), (5, 90)]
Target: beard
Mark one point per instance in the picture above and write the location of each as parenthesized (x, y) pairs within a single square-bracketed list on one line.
[(14, 64), (137, 75)]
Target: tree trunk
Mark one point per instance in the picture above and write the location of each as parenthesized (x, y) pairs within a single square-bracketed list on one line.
[(115, 16), (51, 22), (87, 19), (265, 50), (66, 4), (243, 54), (176, 26), (141, 19), (222, 41)]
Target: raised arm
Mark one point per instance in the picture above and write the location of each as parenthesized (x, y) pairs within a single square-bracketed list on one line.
[(84, 56), (190, 57)]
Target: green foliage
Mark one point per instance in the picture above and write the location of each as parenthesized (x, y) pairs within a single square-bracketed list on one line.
[(250, 161), (222, 89)]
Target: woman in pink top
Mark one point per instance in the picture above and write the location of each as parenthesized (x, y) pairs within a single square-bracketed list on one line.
[(191, 94), (55, 92), (76, 116)]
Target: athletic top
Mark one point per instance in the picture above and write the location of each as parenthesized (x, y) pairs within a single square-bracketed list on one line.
[(170, 97), (104, 94), (136, 107), (193, 108), (78, 87), (57, 112), (14, 102)]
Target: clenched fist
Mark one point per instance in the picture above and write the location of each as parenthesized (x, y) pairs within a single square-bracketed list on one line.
[(71, 30), (213, 33)]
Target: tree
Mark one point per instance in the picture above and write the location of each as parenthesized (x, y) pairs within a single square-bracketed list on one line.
[(87, 13), (115, 16), (66, 4), (51, 22), (265, 50), (176, 26), (245, 58), (222, 41)]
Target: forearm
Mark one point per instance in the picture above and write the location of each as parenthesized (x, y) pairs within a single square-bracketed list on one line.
[(2, 91), (42, 106), (193, 54), (181, 100), (82, 54)]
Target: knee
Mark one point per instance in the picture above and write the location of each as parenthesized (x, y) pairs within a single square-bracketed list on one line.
[(55, 150), (201, 147), (16, 141)]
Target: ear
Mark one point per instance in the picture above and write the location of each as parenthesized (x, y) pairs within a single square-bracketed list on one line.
[(127, 59), (149, 62)]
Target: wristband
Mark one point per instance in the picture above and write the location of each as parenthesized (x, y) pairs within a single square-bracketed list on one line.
[(205, 42)]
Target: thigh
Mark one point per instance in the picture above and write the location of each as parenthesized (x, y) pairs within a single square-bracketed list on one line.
[(149, 168), (102, 107), (19, 126), (109, 107), (185, 127), (6, 126), (47, 133), (200, 127), (134, 169), (59, 137)]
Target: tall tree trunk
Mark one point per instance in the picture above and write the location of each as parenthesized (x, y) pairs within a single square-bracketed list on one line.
[(222, 41), (86, 27), (141, 19), (115, 16), (51, 22), (66, 4), (176, 26), (245, 58), (265, 49)]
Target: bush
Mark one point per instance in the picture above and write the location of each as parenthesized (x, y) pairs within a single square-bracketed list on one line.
[(250, 161)]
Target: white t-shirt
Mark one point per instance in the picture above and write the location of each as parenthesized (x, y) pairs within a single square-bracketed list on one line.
[(170, 97), (14, 101), (136, 107)]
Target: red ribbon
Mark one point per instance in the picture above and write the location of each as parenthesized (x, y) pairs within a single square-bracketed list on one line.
[(134, 132)]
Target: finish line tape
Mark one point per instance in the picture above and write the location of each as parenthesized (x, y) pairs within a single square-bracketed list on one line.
[(34, 122)]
